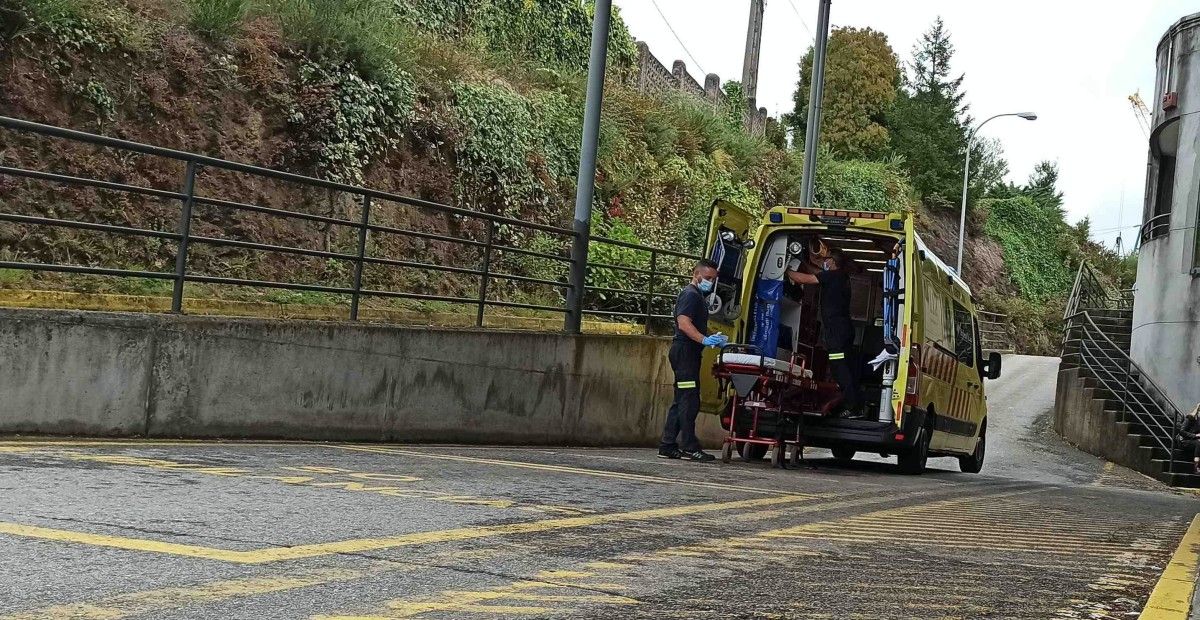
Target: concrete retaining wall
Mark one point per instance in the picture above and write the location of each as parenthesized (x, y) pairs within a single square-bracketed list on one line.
[(1080, 417), (113, 374)]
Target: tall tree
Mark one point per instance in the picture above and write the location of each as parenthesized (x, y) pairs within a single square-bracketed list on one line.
[(862, 75), (930, 66), (929, 120), (988, 167), (1043, 187)]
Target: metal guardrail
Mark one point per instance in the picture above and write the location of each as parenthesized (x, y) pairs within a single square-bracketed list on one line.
[(995, 332), (1155, 227), (653, 278), (1110, 364)]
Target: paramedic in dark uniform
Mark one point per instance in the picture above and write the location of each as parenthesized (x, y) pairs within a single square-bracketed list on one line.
[(837, 331), (691, 324)]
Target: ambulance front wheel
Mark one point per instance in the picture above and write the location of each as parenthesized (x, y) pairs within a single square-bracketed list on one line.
[(973, 463)]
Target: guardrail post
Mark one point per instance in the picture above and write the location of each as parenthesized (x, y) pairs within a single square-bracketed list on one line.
[(650, 289), (362, 253), (483, 277), (1174, 439), (1125, 386), (185, 229)]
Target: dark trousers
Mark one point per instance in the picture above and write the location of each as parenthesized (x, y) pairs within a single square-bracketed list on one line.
[(680, 428), (1192, 445), (839, 342), (844, 372)]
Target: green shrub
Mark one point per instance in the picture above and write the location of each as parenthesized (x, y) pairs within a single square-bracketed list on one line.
[(344, 120), (860, 185), (504, 134), (616, 279), (368, 33), (1032, 238), (217, 19), (82, 26)]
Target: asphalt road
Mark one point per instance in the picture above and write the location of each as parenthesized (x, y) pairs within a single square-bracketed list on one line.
[(134, 529)]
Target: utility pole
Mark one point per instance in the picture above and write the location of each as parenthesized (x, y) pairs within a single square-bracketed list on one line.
[(753, 52), (816, 93), (586, 181)]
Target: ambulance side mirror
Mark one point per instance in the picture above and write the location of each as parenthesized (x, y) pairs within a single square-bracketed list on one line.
[(991, 367)]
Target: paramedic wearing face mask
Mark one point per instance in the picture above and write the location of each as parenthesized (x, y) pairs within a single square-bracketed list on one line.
[(691, 323), (837, 330)]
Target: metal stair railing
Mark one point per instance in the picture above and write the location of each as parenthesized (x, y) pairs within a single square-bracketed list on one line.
[(1110, 365)]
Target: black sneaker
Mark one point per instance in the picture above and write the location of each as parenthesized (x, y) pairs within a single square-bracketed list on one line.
[(673, 453), (698, 455)]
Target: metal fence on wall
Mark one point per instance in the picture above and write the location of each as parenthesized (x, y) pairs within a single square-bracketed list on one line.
[(995, 332), (503, 267)]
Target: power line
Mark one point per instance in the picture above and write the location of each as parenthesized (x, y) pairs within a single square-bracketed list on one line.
[(676, 35), (801, 18)]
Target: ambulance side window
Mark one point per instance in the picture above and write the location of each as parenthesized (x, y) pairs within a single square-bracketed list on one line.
[(964, 335), (937, 315)]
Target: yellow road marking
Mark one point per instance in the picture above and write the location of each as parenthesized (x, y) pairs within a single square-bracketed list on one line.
[(525, 591), (565, 469), (137, 603), (1172, 596), (277, 554), (1105, 474)]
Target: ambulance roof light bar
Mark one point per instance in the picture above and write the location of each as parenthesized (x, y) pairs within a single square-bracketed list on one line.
[(875, 215)]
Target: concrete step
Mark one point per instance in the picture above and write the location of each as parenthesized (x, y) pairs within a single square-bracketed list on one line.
[(1095, 313), (1185, 480)]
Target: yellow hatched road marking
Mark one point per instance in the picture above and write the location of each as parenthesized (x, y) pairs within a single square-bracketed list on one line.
[(277, 554), (1171, 598), (523, 591), (975, 528), (601, 473), (137, 603)]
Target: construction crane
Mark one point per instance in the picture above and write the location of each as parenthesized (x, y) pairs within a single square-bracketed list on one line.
[(1141, 112)]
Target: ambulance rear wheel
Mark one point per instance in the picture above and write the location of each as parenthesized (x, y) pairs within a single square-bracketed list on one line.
[(726, 452), (843, 454), (913, 460), (752, 452)]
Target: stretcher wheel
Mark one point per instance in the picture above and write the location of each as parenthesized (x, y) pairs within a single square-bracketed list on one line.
[(777, 455), (794, 458), (752, 452), (727, 452)]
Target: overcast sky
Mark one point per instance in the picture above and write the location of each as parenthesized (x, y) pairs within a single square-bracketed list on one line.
[(1072, 62)]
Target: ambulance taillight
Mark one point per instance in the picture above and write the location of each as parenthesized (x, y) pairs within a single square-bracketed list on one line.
[(911, 395)]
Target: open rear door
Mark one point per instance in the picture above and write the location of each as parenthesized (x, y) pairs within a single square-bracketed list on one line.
[(727, 244)]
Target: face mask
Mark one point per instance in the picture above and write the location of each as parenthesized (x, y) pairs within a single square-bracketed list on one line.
[(825, 266), (705, 286)]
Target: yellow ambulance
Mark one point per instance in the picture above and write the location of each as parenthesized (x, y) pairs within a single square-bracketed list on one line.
[(917, 340)]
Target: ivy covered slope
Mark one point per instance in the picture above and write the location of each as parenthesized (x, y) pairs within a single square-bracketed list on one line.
[(467, 102)]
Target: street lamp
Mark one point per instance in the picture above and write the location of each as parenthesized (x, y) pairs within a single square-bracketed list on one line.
[(962, 220)]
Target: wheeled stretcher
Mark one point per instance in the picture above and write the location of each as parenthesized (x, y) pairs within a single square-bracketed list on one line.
[(766, 410)]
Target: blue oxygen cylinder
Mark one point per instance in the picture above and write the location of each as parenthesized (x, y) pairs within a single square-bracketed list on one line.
[(768, 290)]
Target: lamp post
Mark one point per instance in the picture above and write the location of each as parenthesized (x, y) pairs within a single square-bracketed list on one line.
[(962, 220)]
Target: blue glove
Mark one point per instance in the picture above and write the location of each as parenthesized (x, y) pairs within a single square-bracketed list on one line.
[(715, 340)]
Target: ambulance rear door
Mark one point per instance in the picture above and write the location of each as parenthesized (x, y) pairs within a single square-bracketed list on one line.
[(728, 244)]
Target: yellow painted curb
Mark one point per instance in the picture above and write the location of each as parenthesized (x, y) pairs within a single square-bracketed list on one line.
[(1172, 595)]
